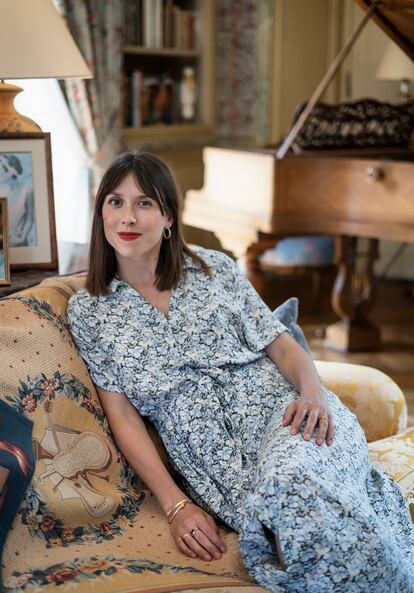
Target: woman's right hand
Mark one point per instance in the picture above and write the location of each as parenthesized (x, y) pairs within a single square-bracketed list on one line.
[(196, 534)]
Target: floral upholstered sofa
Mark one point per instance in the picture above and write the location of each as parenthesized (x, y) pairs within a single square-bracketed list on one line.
[(85, 520)]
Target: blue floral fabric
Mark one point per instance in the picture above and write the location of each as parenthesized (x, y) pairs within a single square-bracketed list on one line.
[(203, 378)]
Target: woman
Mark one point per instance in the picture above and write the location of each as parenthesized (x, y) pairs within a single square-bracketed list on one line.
[(181, 337)]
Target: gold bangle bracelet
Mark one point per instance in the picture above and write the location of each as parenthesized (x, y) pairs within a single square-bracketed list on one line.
[(176, 510), (171, 516), (172, 509)]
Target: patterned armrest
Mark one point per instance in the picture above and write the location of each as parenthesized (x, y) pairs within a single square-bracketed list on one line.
[(375, 399), (395, 456)]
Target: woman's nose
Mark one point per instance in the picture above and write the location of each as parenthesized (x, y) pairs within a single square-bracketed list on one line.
[(130, 217)]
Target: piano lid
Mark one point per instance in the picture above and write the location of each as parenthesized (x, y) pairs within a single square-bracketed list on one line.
[(396, 19)]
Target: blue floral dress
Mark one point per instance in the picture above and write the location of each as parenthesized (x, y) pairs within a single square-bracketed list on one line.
[(203, 378)]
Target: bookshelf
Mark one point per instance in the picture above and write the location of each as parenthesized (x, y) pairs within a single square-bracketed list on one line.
[(163, 38)]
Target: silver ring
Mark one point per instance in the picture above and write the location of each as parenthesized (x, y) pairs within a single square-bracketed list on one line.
[(194, 531)]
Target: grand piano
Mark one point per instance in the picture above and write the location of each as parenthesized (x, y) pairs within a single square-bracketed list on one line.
[(253, 198)]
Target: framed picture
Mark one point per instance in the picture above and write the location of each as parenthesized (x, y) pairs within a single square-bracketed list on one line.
[(4, 245), (26, 182)]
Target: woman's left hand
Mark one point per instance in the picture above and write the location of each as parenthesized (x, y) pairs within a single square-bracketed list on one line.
[(317, 411)]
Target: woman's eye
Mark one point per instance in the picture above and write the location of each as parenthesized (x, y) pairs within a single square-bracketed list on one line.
[(145, 202), (114, 201)]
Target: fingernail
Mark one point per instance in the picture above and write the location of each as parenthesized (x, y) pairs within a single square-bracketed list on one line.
[(330, 442), (307, 437), (217, 555), (223, 548), (207, 558)]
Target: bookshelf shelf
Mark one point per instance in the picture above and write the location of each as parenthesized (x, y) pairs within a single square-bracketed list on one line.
[(163, 134), (154, 73), (168, 52)]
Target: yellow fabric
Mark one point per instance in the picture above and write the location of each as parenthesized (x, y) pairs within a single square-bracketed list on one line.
[(56, 291), (375, 399), (395, 456)]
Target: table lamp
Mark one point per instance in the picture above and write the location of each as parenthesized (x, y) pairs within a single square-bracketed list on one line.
[(34, 43), (396, 65)]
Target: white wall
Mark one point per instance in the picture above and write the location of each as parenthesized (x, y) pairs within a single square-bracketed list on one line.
[(43, 102)]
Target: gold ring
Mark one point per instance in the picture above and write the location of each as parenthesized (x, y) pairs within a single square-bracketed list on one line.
[(323, 417), (185, 535)]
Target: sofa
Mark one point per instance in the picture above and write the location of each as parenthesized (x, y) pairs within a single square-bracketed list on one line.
[(85, 520)]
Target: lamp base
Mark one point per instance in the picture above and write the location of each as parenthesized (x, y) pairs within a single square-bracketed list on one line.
[(10, 120)]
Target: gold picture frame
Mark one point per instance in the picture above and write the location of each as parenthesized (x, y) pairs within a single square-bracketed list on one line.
[(26, 181), (4, 245)]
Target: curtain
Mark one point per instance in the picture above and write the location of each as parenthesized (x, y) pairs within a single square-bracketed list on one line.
[(244, 34), (96, 104)]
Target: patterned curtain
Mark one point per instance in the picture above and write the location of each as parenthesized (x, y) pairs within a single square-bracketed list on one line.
[(96, 104), (244, 33)]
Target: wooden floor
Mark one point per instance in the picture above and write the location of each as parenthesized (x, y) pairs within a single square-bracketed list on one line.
[(394, 312)]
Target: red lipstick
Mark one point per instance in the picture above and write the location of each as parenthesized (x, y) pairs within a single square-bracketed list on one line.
[(129, 236)]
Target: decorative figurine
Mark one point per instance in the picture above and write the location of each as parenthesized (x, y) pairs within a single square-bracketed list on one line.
[(188, 94)]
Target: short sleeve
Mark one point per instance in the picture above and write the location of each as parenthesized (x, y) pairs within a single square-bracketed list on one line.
[(257, 322), (84, 326)]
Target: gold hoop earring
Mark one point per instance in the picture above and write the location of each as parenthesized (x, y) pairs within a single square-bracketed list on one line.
[(166, 233)]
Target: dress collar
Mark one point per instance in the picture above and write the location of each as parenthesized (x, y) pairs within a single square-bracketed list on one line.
[(115, 283)]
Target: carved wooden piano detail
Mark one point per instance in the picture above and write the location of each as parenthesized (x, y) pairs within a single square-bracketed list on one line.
[(252, 197)]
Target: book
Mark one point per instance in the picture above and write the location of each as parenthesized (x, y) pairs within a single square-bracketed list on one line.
[(157, 25), (148, 23), (167, 23), (136, 98)]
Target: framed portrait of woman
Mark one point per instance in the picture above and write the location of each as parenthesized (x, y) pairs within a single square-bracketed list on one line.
[(4, 245), (26, 182)]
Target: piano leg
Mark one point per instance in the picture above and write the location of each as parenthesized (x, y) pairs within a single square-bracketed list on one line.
[(353, 297), (251, 263)]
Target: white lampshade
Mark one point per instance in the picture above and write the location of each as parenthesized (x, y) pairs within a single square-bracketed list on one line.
[(35, 42), (395, 64)]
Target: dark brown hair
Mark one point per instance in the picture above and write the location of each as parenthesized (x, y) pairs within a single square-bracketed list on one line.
[(156, 180)]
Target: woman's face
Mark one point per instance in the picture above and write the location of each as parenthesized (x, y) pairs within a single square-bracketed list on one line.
[(133, 222)]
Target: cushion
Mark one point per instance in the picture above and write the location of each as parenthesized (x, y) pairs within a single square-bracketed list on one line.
[(395, 456), (374, 398), (16, 466), (287, 313), (300, 251)]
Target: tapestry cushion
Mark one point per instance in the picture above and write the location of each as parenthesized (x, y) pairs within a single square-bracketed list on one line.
[(16, 466), (287, 313), (85, 516)]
